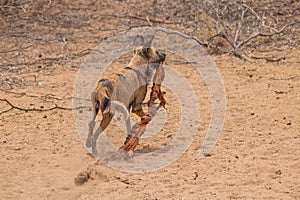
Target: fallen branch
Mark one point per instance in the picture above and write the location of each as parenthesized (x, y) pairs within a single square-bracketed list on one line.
[(37, 109), (269, 59), (42, 97), (243, 26), (18, 49), (260, 34)]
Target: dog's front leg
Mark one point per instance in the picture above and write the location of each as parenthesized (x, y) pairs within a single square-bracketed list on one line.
[(107, 117)]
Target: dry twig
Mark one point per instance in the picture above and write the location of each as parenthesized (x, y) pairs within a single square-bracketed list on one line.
[(246, 18), (37, 109)]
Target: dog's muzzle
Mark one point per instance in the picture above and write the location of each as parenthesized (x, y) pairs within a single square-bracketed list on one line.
[(162, 57)]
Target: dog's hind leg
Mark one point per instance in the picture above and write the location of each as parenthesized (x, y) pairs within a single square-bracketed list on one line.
[(138, 101), (95, 110), (107, 117)]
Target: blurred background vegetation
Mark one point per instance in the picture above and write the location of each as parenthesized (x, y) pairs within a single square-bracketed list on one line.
[(37, 34)]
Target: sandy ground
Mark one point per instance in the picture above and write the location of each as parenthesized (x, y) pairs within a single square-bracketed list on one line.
[(256, 157), (257, 154)]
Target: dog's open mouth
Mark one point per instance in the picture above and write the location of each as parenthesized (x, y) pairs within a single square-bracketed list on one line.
[(162, 58)]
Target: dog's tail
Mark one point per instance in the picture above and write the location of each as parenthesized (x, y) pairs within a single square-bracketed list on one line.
[(117, 106)]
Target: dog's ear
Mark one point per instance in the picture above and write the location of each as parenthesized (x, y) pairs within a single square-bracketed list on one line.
[(137, 50)]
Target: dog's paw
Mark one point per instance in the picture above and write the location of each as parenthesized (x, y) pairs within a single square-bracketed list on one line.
[(95, 152)]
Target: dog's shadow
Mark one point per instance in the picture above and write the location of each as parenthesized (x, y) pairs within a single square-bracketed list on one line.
[(146, 149)]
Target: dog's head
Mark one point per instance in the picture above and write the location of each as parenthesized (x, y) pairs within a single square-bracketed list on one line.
[(147, 55)]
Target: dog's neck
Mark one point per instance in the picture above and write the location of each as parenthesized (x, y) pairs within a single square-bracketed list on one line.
[(147, 70), (137, 61)]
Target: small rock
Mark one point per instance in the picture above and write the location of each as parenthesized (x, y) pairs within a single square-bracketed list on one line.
[(278, 172), (289, 123), (207, 154), (195, 175)]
